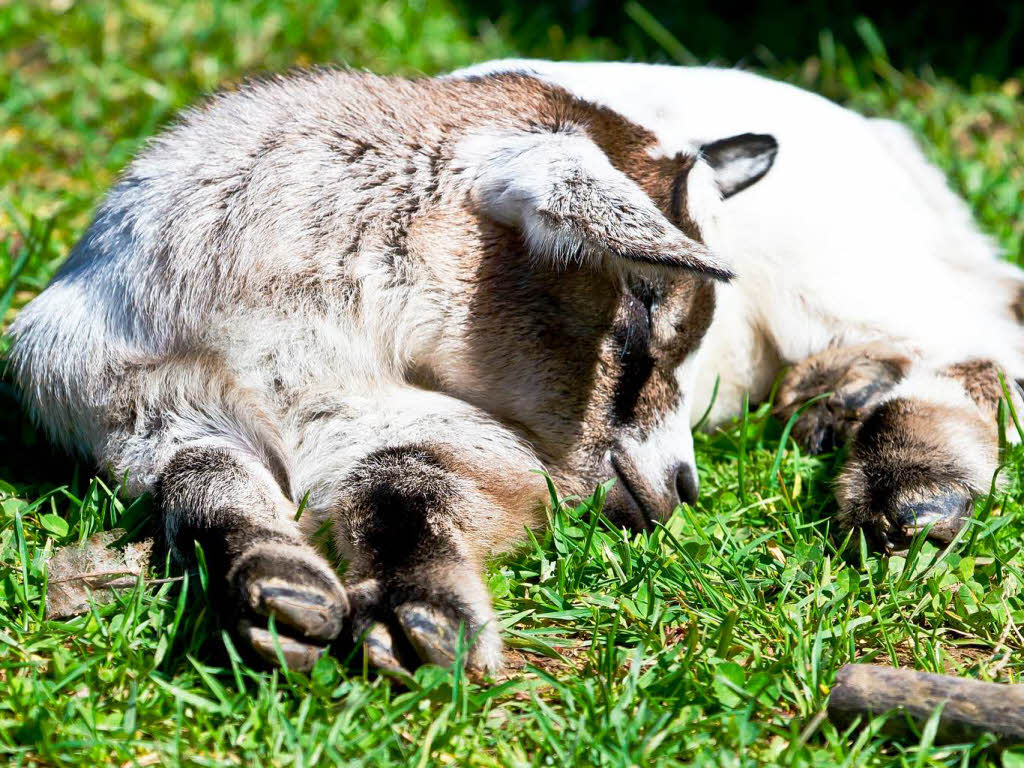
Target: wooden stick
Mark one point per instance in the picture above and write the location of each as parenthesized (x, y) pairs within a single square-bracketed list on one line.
[(970, 706)]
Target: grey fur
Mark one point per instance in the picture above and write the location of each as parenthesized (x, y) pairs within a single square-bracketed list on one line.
[(332, 283)]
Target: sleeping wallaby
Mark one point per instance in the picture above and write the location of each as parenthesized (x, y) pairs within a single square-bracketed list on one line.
[(395, 299), (862, 280)]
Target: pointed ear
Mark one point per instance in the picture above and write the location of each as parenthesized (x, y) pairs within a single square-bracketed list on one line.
[(740, 161), (572, 205)]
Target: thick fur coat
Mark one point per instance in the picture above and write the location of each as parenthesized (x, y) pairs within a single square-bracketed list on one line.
[(860, 271), (395, 299)]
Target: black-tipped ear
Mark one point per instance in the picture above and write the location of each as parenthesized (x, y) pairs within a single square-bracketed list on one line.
[(571, 205), (740, 161)]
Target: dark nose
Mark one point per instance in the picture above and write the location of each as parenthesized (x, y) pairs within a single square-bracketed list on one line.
[(686, 484)]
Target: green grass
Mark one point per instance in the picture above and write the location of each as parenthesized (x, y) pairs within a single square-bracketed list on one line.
[(713, 641)]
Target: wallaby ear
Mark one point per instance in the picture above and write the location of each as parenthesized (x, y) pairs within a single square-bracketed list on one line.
[(572, 205), (740, 161)]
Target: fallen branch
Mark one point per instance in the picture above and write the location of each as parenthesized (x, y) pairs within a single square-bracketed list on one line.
[(970, 707)]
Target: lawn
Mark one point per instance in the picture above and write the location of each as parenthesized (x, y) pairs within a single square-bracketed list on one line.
[(713, 640)]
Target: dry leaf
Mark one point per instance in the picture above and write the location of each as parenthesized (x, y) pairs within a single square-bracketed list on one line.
[(93, 569), (776, 551)]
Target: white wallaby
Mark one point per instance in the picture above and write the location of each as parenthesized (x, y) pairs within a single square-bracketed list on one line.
[(857, 266)]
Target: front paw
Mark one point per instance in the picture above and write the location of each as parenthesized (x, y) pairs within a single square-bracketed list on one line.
[(941, 513), (295, 586), (423, 618), (853, 382), (822, 427), (913, 468)]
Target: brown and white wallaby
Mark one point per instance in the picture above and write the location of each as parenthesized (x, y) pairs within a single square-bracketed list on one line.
[(862, 277), (400, 298)]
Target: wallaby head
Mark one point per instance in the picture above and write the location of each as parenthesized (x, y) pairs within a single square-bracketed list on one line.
[(583, 291)]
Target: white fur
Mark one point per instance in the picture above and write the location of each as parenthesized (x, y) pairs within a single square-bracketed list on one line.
[(852, 236), (533, 181), (927, 387), (923, 386)]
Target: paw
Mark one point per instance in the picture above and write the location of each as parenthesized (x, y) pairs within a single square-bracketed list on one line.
[(856, 381), (824, 426), (910, 472), (941, 514), (404, 624), (296, 587)]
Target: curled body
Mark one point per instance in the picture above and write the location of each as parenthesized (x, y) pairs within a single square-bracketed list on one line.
[(395, 299)]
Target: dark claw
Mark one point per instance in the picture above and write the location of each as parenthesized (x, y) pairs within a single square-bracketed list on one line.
[(433, 634), (380, 649), (822, 441), (298, 656), (945, 514), (816, 430), (316, 615), (303, 596), (402, 628)]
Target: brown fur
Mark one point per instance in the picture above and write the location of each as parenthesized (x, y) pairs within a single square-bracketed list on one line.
[(318, 299), (565, 382), (857, 378), (906, 470), (1017, 305), (980, 380), (915, 463)]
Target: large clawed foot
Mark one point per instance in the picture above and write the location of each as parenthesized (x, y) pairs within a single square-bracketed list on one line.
[(398, 639), (300, 591)]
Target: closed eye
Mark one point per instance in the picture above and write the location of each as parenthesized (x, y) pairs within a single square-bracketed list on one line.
[(634, 341), (637, 327), (646, 296)]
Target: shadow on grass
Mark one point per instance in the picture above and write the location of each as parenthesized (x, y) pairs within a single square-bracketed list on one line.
[(28, 460), (956, 40)]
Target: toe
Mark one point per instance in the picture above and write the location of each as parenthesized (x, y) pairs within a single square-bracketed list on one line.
[(941, 516), (409, 622), (298, 656), (816, 429), (316, 613), (380, 647), (821, 440), (433, 634), (295, 586)]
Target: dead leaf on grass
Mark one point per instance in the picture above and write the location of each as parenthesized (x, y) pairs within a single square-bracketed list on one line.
[(94, 569)]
